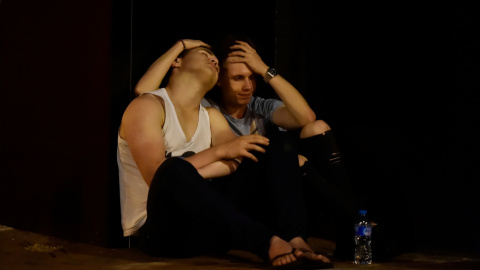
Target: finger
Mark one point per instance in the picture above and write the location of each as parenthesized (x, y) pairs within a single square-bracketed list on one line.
[(257, 136), (259, 139), (243, 43), (244, 46), (201, 45), (257, 148), (239, 47), (193, 43), (261, 142), (237, 53), (250, 156), (235, 59)]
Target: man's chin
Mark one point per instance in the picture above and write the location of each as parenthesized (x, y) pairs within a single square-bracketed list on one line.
[(244, 101)]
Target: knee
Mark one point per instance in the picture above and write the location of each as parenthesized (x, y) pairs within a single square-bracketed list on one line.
[(314, 128), (175, 169)]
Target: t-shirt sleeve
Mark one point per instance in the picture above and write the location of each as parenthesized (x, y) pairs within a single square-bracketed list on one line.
[(265, 107)]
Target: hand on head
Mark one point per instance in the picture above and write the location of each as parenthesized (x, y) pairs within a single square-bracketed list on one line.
[(244, 53), (193, 43)]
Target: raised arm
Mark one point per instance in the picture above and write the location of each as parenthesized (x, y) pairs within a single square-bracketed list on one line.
[(155, 74), (296, 112)]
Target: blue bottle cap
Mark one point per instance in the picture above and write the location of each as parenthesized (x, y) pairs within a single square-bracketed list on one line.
[(362, 212)]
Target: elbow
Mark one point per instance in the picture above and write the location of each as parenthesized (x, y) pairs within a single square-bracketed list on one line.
[(309, 118), (137, 91), (312, 117)]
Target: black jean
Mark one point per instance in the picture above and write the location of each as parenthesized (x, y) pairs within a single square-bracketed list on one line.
[(188, 215)]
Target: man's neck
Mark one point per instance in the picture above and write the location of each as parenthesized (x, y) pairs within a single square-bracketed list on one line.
[(187, 95)]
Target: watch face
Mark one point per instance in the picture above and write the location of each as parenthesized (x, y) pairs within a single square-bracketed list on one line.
[(272, 72)]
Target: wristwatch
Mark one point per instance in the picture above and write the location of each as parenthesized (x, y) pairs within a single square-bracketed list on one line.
[(271, 72)]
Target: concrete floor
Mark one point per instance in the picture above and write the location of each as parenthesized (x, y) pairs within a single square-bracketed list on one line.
[(26, 250)]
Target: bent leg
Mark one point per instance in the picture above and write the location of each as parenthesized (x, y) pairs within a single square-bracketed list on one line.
[(270, 190), (319, 146), (186, 217), (284, 186)]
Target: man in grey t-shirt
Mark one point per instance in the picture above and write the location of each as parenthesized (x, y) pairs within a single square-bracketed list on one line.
[(320, 161)]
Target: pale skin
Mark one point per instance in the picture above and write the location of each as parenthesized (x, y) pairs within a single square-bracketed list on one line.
[(192, 76)]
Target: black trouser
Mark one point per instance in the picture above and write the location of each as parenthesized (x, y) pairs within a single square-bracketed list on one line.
[(327, 187), (188, 215)]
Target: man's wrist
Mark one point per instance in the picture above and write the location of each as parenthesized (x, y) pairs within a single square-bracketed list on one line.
[(270, 74), (183, 43)]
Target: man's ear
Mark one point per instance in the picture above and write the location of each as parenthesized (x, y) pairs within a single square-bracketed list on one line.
[(177, 62)]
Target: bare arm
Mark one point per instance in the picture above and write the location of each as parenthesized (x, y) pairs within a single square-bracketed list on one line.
[(141, 128), (296, 112), (227, 146), (153, 77)]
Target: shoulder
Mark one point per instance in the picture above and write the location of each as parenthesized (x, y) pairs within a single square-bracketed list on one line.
[(145, 109), (217, 119), (146, 102), (213, 112)]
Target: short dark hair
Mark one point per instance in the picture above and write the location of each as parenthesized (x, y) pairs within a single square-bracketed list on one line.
[(222, 47)]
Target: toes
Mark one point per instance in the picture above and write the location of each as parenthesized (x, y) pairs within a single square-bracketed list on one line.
[(322, 258), (298, 253), (284, 260)]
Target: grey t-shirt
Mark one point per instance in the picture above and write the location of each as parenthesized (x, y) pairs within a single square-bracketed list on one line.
[(257, 117)]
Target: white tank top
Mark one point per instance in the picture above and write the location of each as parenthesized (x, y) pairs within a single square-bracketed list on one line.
[(133, 188)]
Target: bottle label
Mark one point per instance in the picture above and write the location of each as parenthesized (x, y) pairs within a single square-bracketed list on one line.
[(363, 230)]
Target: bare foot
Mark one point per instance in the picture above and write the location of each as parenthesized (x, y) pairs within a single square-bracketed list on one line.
[(280, 252), (307, 251)]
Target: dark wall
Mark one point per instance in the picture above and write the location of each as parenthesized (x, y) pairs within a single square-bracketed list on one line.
[(55, 144), (158, 25), (398, 82)]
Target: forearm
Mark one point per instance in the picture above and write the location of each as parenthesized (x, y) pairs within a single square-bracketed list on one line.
[(293, 100), (152, 79), (206, 157), (218, 169), (210, 163)]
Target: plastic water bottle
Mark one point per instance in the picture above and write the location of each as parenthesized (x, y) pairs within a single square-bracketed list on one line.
[(363, 239)]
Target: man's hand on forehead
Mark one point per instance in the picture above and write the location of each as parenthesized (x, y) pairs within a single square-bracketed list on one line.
[(192, 43), (242, 52)]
